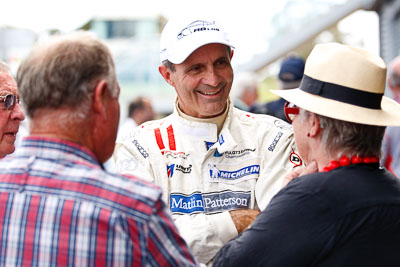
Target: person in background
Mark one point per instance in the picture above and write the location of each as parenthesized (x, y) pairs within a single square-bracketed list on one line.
[(140, 110), (345, 211), (244, 91), (58, 206), (218, 166), (11, 113), (391, 144), (289, 77)]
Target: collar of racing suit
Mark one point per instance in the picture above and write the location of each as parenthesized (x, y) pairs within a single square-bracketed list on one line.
[(219, 120)]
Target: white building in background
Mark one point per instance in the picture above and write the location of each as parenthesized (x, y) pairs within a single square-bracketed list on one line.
[(15, 44)]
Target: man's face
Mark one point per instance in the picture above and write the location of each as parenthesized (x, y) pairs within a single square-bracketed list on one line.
[(203, 81), (9, 119)]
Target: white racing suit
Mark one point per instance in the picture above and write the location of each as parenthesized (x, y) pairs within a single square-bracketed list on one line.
[(203, 176)]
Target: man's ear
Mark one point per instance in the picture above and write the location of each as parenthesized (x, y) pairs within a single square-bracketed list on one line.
[(231, 55), (166, 73), (99, 98)]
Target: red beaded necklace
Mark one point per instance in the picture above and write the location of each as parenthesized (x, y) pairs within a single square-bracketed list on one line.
[(345, 161)]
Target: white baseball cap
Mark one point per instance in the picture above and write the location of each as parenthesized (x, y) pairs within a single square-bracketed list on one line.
[(181, 36)]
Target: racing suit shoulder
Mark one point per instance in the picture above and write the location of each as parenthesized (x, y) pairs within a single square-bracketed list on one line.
[(137, 152), (263, 127)]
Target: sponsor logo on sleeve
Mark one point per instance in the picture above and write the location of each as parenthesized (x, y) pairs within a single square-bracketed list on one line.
[(216, 173), (140, 149), (209, 202), (275, 142), (295, 159)]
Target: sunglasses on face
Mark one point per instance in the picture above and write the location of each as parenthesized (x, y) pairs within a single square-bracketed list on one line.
[(290, 110), (9, 100)]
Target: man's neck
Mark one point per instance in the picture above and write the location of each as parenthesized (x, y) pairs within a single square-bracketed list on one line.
[(49, 126), (218, 120)]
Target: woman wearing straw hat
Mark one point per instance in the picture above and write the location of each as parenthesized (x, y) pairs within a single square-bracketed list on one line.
[(347, 213)]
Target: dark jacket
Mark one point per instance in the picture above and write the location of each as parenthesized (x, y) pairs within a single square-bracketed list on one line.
[(349, 216)]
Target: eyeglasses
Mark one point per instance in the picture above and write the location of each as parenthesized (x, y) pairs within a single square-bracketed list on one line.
[(290, 110), (9, 100)]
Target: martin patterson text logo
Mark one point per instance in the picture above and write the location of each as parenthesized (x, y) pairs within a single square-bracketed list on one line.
[(197, 26), (210, 202)]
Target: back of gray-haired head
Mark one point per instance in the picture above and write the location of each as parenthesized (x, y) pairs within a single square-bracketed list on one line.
[(64, 71)]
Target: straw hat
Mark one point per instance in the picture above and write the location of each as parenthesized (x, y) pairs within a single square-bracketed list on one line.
[(345, 83)]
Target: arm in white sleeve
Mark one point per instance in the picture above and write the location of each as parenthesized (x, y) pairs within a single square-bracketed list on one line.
[(275, 165), (205, 234), (127, 161)]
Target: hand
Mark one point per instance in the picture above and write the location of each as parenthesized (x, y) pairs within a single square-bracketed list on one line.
[(243, 218), (300, 171)]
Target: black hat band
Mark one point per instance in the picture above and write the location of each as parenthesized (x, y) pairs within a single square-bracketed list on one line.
[(341, 93)]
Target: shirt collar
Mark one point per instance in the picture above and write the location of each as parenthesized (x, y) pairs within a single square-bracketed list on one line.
[(56, 149)]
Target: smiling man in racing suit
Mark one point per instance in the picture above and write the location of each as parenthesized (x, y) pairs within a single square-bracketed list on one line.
[(217, 165)]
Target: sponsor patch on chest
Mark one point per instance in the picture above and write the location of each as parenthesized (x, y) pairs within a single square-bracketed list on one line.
[(176, 167), (209, 202), (231, 173)]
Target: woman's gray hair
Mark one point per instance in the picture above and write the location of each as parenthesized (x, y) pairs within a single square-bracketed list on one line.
[(64, 72), (342, 138)]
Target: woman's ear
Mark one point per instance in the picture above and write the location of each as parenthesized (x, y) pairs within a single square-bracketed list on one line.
[(315, 128)]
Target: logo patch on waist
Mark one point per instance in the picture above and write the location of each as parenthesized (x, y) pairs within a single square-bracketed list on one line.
[(186, 204), (209, 202)]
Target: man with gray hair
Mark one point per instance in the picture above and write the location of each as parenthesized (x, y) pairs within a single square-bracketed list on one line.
[(11, 113), (58, 206)]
